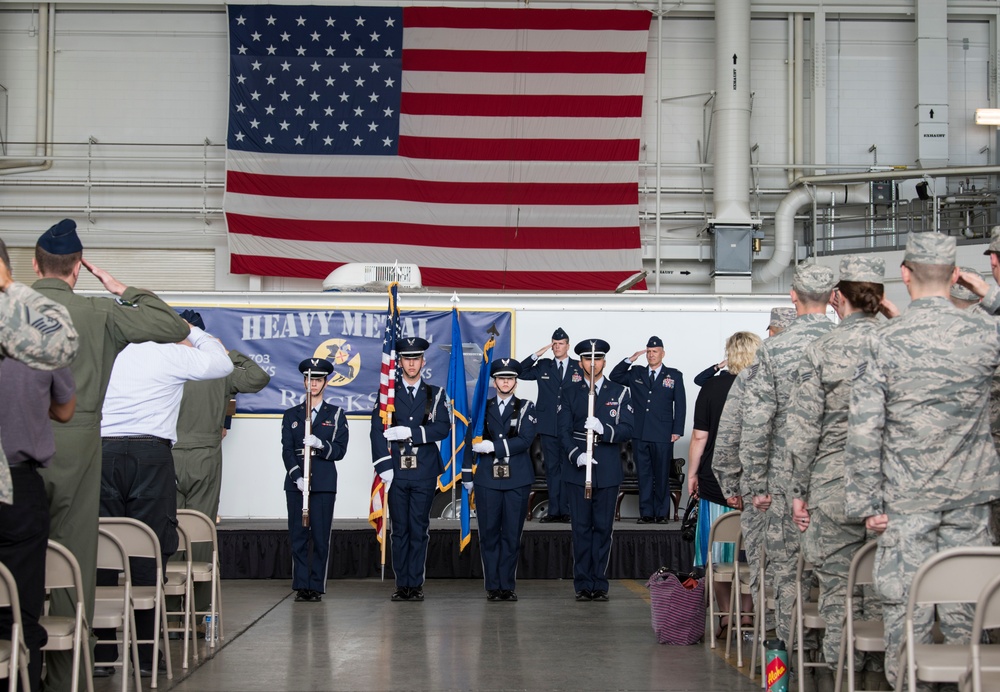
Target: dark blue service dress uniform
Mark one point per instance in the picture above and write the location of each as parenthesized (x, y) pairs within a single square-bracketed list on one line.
[(660, 409), (592, 520), (412, 491), (330, 426), (502, 502), (545, 373)]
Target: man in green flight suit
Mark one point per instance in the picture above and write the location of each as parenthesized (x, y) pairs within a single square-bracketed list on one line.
[(73, 479)]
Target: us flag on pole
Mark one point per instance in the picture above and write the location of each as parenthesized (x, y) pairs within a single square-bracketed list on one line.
[(493, 148), (386, 402)]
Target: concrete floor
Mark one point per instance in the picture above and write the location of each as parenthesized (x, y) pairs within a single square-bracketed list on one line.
[(357, 639)]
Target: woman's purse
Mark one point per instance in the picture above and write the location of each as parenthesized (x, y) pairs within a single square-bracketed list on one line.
[(689, 524)]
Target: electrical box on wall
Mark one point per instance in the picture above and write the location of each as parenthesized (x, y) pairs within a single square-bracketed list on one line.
[(733, 250)]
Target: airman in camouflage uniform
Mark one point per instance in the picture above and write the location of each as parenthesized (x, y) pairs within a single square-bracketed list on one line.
[(817, 419), (726, 459), (920, 461), (767, 470), (36, 331), (73, 479)]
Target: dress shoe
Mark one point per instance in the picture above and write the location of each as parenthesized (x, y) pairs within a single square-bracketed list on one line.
[(661, 520), (314, 596), (548, 519), (563, 518), (644, 520), (599, 595), (301, 595), (401, 594), (104, 671), (146, 669), (493, 595), (584, 595), (417, 593), (508, 595)]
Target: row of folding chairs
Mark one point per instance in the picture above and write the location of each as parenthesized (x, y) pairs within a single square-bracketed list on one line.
[(115, 606), (954, 576)]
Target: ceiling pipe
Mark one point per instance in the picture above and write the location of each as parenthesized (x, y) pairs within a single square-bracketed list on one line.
[(44, 97)]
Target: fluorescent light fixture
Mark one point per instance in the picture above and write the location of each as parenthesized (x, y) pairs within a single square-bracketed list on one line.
[(988, 116)]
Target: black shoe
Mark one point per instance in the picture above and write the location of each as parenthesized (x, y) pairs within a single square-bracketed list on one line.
[(417, 593), (508, 595), (401, 594), (644, 520), (549, 519), (563, 518), (146, 669), (599, 595), (585, 595), (661, 520), (302, 595), (104, 671), (314, 596), (493, 595)]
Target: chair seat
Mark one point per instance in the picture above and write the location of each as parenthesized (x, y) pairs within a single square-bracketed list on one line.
[(811, 618), (112, 594), (947, 662), (990, 679), (869, 635), (108, 615), (57, 627)]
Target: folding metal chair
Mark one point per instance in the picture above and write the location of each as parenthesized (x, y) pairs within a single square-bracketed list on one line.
[(975, 679), (860, 635), (62, 571), (804, 616), (725, 529), (13, 653), (764, 602), (140, 541), (178, 585), (113, 604), (200, 529), (956, 575)]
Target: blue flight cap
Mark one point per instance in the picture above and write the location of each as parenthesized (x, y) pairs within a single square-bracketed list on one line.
[(61, 239), (193, 318)]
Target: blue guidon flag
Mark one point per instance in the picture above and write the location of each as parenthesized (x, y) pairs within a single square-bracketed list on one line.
[(494, 148)]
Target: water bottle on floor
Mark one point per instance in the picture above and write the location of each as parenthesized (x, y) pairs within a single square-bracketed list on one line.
[(776, 665), (209, 630)]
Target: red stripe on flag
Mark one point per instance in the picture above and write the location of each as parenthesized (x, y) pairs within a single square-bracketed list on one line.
[(521, 105), (525, 62), (432, 191), (536, 19), (472, 238), (431, 276), (518, 149)]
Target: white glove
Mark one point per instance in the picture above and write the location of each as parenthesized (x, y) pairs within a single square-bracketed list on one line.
[(595, 425), (468, 486), (398, 432), (581, 460), (484, 447), (300, 483), (386, 477), (313, 441)]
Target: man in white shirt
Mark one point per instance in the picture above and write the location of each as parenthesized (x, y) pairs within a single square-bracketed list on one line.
[(138, 428)]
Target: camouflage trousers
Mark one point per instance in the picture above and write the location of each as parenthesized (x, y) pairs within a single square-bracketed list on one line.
[(781, 540), (829, 544), (907, 542)]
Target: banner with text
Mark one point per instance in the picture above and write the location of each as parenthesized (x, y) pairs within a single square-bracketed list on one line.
[(279, 339)]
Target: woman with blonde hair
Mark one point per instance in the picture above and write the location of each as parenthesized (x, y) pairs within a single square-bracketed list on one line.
[(741, 348)]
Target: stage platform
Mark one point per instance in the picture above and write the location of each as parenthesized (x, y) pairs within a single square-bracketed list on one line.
[(258, 549)]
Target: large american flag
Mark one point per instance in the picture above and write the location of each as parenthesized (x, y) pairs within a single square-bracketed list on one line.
[(494, 148)]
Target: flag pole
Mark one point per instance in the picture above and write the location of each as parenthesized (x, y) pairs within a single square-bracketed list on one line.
[(454, 447)]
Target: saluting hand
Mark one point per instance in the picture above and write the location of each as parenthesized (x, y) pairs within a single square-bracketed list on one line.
[(110, 283), (636, 355)]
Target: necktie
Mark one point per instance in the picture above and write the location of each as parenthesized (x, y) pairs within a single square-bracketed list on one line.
[(413, 392), (562, 373), (652, 374), (500, 407)]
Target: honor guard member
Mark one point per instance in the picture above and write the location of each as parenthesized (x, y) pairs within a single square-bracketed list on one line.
[(767, 470), (503, 476), (552, 375), (660, 408), (407, 458), (198, 451), (920, 462), (73, 480), (592, 519), (328, 444)]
